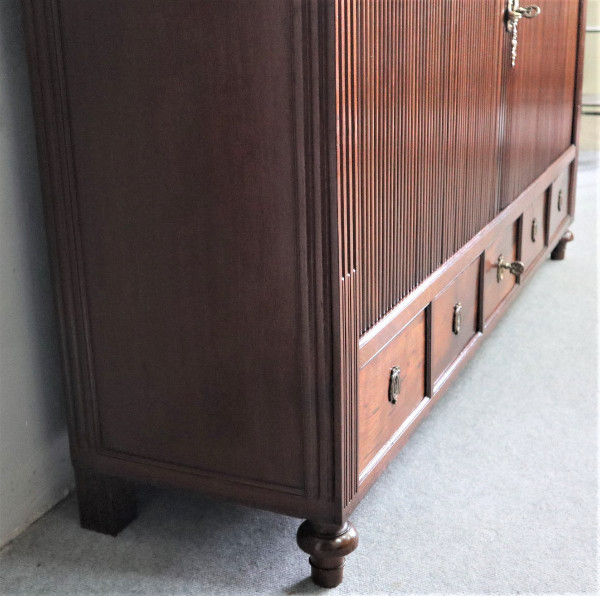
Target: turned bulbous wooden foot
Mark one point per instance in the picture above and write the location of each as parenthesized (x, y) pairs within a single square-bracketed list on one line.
[(327, 545), (558, 254)]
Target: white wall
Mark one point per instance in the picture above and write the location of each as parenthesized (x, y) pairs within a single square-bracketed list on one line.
[(35, 470)]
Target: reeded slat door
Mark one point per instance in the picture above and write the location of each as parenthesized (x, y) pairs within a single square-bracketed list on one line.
[(538, 95), (419, 95)]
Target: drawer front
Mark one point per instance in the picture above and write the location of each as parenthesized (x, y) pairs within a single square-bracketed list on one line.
[(378, 417), (559, 203), (494, 291), (534, 230), (454, 319)]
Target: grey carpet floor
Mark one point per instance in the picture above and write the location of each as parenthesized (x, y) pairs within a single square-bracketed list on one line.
[(495, 493)]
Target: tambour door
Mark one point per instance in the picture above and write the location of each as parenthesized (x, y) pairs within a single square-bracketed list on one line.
[(418, 96), (538, 91)]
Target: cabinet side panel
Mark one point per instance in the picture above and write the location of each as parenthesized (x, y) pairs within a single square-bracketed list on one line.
[(182, 141)]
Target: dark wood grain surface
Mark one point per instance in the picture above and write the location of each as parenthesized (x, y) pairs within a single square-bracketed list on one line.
[(181, 155), (188, 226)]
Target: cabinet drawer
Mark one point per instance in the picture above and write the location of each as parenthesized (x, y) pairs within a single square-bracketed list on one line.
[(534, 230), (378, 417), (558, 206), (495, 290), (454, 319)]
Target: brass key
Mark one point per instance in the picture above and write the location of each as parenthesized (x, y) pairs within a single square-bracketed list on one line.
[(517, 268), (514, 13)]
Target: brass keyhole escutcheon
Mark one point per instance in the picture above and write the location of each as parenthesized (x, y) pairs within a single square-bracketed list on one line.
[(560, 200), (457, 318), (395, 384), (516, 268), (534, 229)]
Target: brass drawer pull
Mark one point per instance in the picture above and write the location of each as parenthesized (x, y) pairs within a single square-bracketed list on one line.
[(457, 318), (534, 229), (395, 384), (560, 200), (516, 268)]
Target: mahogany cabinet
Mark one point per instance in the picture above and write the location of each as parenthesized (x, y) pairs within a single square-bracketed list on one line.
[(280, 227)]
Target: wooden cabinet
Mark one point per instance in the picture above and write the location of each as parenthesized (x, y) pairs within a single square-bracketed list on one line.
[(262, 215)]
